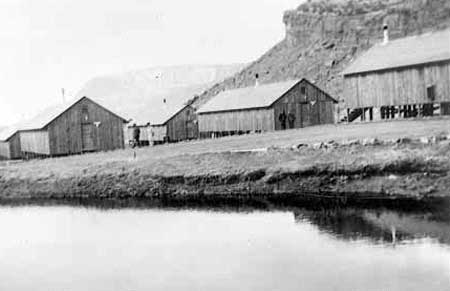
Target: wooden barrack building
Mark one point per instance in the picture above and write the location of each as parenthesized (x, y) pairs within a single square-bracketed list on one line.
[(402, 78), (269, 107), (82, 126)]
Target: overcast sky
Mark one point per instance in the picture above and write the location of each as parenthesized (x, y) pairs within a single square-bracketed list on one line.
[(49, 44)]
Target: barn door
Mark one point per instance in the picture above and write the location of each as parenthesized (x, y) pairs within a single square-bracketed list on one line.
[(191, 127), (87, 136), (306, 114)]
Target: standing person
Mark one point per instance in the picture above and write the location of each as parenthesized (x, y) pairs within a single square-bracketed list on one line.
[(282, 119), (291, 120), (136, 135)]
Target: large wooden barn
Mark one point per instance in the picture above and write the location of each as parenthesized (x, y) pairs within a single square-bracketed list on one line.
[(276, 106), (82, 126), (402, 78)]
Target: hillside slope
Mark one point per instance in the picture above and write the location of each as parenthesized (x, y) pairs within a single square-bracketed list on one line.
[(324, 36)]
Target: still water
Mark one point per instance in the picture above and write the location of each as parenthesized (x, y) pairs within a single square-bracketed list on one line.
[(87, 248)]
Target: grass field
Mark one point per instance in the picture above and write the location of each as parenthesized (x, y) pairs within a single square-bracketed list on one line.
[(230, 156), (287, 138)]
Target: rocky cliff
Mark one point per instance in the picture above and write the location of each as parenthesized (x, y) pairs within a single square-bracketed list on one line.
[(324, 36)]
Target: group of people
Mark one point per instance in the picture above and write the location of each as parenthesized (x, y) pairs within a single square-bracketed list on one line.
[(290, 118)]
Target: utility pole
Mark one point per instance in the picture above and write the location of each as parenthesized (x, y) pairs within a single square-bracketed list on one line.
[(63, 95)]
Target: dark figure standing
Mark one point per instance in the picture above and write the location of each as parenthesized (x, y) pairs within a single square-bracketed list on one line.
[(136, 135), (282, 119), (291, 120)]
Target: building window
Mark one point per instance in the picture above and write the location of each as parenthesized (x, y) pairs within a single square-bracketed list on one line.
[(303, 90), (85, 113), (431, 93)]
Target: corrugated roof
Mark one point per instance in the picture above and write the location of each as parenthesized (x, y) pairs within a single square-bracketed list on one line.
[(40, 120), (408, 51), (249, 97)]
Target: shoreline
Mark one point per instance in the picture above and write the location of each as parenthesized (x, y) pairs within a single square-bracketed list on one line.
[(242, 202), (355, 173)]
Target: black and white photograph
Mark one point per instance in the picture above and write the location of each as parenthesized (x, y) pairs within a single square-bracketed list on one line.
[(202, 145)]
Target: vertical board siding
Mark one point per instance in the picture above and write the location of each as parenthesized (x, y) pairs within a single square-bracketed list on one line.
[(65, 132), (157, 133), (14, 146), (36, 142), (4, 150), (397, 86), (143, 135), (243, 120), (182, 125), (312, 108)]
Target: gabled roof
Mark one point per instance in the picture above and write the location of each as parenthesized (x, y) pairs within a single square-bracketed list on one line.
[(148, 109), (160, 113), (249, 97), (403, 52), (45, 117), (261, 96)]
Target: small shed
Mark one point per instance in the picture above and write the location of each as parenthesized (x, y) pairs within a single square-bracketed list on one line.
[(400, 78), (143, 133), (172, 120), (10, 144), (275, 106), (169, 119), (182, 125), (72, 128)]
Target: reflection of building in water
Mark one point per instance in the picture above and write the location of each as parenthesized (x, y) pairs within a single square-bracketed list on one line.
[(352, 224), (414, 225)]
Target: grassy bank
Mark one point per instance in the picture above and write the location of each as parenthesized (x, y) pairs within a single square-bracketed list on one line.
[(338, 162)]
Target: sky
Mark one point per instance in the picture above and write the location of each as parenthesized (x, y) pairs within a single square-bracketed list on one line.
[(47, 45)]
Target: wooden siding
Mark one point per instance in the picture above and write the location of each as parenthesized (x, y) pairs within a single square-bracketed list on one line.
[(243, 120), (309, 108), (65, 132), (4, 150), (14, 146), (157, 133), (397, 87), (183, 125), (143, 136), (312, 108), (36, 142)]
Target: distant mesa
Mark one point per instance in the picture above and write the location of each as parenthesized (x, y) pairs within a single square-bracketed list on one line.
[(140, 94)]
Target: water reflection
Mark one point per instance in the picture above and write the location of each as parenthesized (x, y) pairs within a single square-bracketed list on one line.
[(378, 224), (142, 246), (349, 224)]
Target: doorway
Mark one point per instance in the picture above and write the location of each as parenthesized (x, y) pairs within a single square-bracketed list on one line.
[(87, 137)]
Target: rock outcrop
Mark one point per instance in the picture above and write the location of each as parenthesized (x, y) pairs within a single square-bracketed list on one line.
[(324, 36)]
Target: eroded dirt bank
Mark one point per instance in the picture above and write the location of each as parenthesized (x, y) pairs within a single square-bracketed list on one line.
[(362, 171)]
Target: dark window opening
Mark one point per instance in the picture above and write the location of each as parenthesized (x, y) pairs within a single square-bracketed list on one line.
[(85, 113), (431, 94), (303, 90)]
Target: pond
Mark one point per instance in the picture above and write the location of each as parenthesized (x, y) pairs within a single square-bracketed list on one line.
[(66, 247)]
